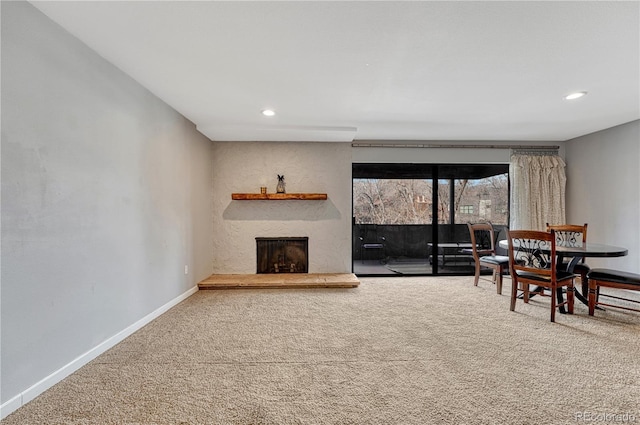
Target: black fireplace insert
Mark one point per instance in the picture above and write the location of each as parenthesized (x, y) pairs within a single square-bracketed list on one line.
[(282, 255)]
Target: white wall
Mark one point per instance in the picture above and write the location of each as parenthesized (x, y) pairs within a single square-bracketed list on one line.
[(603, 190), (106, 196), (307, 167)]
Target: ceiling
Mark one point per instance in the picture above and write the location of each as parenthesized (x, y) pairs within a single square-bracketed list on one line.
[(357, 70)]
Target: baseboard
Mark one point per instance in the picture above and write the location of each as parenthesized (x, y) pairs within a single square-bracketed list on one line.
[(10, 406), (38, 388)]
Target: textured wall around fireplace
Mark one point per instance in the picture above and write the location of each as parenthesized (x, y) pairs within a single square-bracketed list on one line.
[(308, 168)]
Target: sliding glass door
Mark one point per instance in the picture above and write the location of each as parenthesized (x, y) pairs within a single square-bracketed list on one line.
[(410, 219)]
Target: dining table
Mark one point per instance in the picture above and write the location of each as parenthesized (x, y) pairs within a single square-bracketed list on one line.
[(575, 253)]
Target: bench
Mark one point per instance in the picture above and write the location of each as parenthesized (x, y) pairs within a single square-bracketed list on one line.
[(611, 279)]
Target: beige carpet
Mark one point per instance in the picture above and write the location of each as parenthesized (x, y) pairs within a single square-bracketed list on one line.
[(393, 351)]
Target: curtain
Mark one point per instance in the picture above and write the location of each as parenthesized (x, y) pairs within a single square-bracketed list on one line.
[(537, 191)]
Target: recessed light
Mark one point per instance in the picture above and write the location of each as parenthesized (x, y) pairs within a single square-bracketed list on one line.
[(268, 112), (575, 95)]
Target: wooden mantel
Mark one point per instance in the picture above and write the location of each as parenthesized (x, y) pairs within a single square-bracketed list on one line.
[(278, 196)]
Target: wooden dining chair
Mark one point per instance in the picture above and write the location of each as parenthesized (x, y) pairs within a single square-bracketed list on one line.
[(573, 235), (484, 254), (532, 261)]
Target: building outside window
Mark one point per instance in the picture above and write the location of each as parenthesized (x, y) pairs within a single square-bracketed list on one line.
[(466, 209)]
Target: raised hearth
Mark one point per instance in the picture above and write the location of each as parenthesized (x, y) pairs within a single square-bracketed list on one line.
[(280, 281)]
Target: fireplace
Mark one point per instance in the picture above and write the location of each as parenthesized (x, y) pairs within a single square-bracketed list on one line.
[(282, 255)]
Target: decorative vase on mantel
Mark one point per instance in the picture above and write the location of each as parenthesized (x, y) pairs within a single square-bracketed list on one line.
[(280, 186)]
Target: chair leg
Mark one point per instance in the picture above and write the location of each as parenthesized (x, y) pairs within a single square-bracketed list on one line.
[(499, 282), (553, 305), (585, 286), (477, 275), (514, 294), (570, 298), (592, 297)]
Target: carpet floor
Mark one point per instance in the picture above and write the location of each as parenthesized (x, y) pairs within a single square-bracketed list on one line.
[(420, 350)]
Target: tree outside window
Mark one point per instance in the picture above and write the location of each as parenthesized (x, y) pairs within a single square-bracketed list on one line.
[(408, 201)]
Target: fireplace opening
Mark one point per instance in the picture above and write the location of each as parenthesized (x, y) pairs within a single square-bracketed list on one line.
[(282, 255)]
